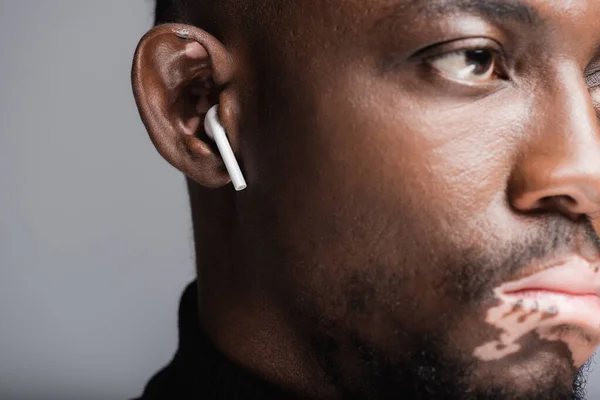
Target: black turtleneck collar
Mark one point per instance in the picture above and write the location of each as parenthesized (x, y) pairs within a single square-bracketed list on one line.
[(199, 370)]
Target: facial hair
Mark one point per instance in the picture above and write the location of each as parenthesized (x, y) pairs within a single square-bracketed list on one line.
[(426, 371)]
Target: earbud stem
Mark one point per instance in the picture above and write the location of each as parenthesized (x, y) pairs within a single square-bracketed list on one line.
[(215, 131)]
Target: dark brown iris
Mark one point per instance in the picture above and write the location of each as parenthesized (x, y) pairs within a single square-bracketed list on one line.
[(483, 60)]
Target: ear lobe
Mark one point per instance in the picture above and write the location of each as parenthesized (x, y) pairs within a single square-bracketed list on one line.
[(178, 73)]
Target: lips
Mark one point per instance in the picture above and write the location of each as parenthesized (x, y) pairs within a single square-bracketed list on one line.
[(560, 303), (569, 291)]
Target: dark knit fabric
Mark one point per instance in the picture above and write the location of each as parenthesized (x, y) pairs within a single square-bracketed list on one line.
[(200, 371)]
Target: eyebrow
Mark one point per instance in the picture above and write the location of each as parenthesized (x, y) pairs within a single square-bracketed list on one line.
[(497, 10)]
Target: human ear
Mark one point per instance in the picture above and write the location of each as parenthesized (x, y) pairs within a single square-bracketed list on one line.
[(179, 72)]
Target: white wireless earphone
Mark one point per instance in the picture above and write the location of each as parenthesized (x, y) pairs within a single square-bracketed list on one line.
[(216, 132)]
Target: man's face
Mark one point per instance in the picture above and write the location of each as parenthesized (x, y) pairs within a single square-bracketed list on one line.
[(416, 157)]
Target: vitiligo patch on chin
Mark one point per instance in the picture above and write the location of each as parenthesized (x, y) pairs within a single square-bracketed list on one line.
[(547, 314)]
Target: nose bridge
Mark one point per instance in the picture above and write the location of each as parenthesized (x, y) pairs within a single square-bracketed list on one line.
[(575, 110), (571, 135), (560, 168)]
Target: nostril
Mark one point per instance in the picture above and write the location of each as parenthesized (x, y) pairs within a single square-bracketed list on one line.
[(566, 201), (553, 201), (564, 204)]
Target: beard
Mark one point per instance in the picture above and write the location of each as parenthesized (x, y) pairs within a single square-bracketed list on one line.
[(424, 363), (425, 374)]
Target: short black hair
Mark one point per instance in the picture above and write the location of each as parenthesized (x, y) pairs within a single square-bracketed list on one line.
[(172, 11), (214, 16)]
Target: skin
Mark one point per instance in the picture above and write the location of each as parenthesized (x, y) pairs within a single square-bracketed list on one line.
[(390, 190)]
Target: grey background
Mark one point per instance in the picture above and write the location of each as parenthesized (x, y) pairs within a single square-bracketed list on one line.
[(95, 237)]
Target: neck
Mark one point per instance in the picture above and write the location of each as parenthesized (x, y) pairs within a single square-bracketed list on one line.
[(237, 313), (255, 335)]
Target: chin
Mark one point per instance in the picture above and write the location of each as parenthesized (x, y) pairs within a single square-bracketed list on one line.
[(540, 372)]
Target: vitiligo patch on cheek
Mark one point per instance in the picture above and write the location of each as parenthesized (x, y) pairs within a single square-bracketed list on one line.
[(552, 316)]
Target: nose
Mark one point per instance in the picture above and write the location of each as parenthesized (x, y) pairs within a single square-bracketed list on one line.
[(559, 169)]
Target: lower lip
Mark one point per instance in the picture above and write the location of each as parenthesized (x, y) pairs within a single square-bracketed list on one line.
[(582, 310)]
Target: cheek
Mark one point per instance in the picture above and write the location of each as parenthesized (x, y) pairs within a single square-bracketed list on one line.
[(366, 178), (401, 165)]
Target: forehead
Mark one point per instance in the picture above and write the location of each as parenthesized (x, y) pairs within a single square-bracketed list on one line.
[(307, 31), (547, 9), (360, 15)]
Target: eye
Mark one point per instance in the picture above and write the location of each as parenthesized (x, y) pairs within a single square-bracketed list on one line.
[(593, 83), (593, 80), (474, 66)]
